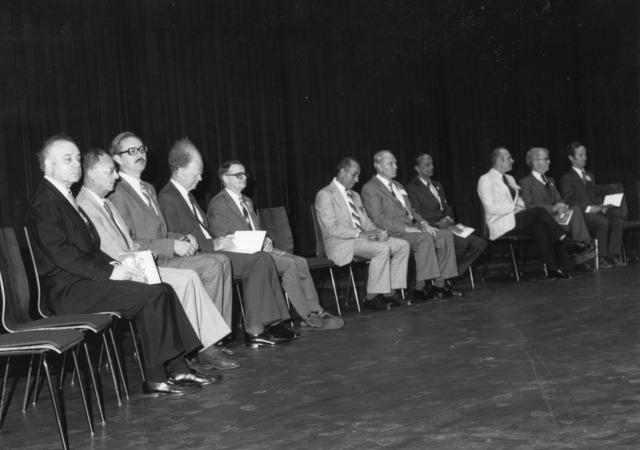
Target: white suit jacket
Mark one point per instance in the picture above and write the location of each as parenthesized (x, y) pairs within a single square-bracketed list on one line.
[(499, 206)]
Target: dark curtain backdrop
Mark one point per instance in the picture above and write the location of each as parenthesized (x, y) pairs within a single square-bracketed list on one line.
[(290, 87)]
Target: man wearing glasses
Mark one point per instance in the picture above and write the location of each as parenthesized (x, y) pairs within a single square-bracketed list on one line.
[(137, 203), (230, 211)]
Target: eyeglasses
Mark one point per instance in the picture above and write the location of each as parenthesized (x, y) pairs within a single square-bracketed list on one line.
[(133, 151), (239, 175)]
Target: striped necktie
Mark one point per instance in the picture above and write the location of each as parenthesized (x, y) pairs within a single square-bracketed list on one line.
[(245, 213), (147, 196), (354, 212)]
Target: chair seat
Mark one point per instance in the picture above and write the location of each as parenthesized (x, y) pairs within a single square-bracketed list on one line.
[(319, 263), (515, 237), (93, 322), (39, 340)]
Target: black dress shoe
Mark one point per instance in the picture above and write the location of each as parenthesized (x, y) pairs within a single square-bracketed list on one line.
[(195, 379), (558, 274), (377, 303), (580, 248), (263, 339), (280, 330), (422, 295), (168, 387), (445, 291), (394, 300), (584, 267)]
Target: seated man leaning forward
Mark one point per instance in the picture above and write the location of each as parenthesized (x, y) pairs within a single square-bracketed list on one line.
[(230, 211), (389, 207), (100, 177), (505, 212), (429, 200), (348, 232), (137, 203), (540, 190), (80, 278)]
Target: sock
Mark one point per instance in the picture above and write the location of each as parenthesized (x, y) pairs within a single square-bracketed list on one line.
[(156, 374)]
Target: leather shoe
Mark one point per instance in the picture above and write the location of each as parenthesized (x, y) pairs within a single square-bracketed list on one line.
[(558, 274), (617, 261), (422, 295), (280, 330), (584, 267), (446, 291), (394, 300), (264, 339), (168, 387), (215, 358), (377, 303), (580, 248), (195, 379), (604, 264)]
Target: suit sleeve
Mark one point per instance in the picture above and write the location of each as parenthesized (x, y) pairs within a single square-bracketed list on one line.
[(326, 215), (528, 196), (375, 210), (217, 213), (487, 197), (568, 188)]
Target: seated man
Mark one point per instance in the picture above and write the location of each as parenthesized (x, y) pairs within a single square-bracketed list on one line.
[(230, 211), (100, 177), (80, 278), (540, 190), (389, 207), (505, 212), (578, 188), (137, 203), (428, 199), (348, 232)]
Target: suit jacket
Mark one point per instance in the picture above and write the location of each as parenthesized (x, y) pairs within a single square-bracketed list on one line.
[(180, 218), (66, 248), (225, 216), (577, 192), (111, 241), (534, 193), (499, 206), (426, 204), (385, 210), (334, 219), (148, 229)]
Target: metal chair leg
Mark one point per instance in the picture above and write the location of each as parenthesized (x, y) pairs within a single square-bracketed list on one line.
[(112, 369), (355, 289), (4, 389), (514, 261), (27, 389), (244, 318), (95, 384), (116, 355), (82, 393), (473, 284), (138, 355), (56, 407), (335, 291)]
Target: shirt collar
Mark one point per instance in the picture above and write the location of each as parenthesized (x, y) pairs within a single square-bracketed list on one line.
[(425, 182), (339, 185), (578, 171), (383, 180), (58, 186), (93, 195), (181, 190), (537, 176)]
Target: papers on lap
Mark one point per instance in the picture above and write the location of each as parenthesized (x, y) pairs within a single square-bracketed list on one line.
[(613, 200), (142, 265), (461, 230), (248, 241), (564, 218)]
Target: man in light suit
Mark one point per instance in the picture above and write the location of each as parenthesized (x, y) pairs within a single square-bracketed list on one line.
[(389, 207), (230, 211), (348, 232), (578, 188), (429, 200), (100, 176), (79, 278), (137, 203), (540, 190), (505, 212)]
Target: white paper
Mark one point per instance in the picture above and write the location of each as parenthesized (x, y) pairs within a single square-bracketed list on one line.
[(248, 241), (461, 230), (565, 218), (142, 265), (613, 200)]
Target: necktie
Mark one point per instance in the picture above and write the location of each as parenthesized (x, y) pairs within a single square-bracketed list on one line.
[(434, 191), (583, 175), (113, 219), (354, 212), (194, 208), (147, 197), (393, 192), (511, 190), (544, 180), (72, 199), (245, 213)]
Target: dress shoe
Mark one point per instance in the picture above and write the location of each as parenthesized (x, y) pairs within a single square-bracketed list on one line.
[(580, 248), (263, 339), (377, 303), (214, 358), (445, 291), (280, 330), (195, 379), (558, 274), (394, 300), (584, 267), (421, 295), (617, 261), (322, 320), (604, 264), (168, 387)]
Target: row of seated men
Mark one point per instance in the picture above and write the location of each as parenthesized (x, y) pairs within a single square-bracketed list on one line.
[(79, 245)]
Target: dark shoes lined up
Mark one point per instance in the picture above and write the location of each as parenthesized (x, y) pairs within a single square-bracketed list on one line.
[(380, 301)]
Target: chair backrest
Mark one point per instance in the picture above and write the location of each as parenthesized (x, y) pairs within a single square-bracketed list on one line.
[(14, 284), (320, 251), (39, 300), (276, 223)]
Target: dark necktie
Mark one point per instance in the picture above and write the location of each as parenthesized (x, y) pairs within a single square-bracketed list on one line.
[(245, 213), (73, 202), (434, 191), (511, 190), (354, 212), (113, 219), (194, 208), (544, 180)]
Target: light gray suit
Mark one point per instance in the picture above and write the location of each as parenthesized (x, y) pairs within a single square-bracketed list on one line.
[(435, 255), (342, 241), (207, 322)]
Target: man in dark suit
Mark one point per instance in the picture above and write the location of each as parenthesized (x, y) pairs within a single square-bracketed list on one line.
[(428, 199), (79, 278), (137, 203), (579, 189), (540, 190), (389, 207)]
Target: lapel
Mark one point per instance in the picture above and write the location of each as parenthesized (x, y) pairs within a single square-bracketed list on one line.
[(90, 203), (232, 206), (71, 213), (427, 192), (386, 192), (137, 199)]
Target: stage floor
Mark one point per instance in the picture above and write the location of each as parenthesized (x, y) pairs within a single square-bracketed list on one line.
[(541, 364)]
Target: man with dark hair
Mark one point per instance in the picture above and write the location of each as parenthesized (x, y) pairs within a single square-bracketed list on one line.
[(100, 176), (137, 203), (579, 189), (347, 231), (505, 212), (389, 207), (540, 190), (80, 278), (429, 200), (230, 211)]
